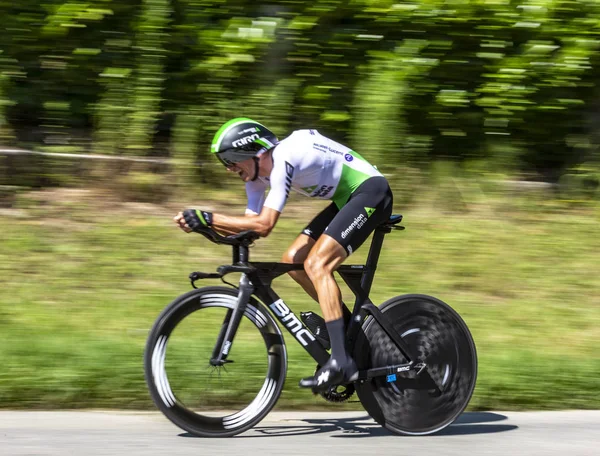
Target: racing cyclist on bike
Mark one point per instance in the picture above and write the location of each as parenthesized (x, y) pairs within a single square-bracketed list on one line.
[(318, 167)]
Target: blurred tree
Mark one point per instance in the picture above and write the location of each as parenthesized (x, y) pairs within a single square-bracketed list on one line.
[(408, 83), (6, 133), (151, 36), (381, 126)]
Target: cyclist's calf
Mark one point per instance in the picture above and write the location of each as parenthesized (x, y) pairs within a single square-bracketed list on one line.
[(323, 259)]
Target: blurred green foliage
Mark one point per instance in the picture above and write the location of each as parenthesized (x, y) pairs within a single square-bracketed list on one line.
[(431, 91), (512, 82), (84, 275)]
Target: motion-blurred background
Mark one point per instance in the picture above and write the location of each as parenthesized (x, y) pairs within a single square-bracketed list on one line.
[(483, 114)]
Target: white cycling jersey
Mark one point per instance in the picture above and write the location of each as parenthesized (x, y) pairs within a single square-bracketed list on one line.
[(313, 165)]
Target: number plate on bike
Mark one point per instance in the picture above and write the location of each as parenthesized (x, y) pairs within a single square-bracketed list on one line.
[(391, 378)]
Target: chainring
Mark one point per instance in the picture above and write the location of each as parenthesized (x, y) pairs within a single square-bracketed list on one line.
[(337, 393)]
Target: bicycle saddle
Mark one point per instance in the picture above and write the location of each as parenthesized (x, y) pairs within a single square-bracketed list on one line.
[(393, 220)]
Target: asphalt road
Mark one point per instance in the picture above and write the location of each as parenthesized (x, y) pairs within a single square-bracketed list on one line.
[(95, 433)]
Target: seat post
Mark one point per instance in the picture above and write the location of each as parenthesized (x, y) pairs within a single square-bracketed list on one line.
[(372, 259)]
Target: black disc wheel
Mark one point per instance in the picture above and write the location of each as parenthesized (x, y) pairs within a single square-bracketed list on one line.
[(207, 400), (413, 403)]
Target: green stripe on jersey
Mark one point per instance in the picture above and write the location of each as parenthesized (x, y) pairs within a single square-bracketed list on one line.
[(350, 180)]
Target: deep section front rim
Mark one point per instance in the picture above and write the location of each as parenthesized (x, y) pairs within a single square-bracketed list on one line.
[(200, 398)]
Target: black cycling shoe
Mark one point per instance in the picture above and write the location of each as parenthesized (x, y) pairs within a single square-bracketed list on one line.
[(331, 374)]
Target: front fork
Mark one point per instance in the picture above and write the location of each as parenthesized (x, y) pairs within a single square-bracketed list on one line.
[(231, 322)]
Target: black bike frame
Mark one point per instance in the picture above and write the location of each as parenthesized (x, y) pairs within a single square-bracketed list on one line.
[(256, 280)]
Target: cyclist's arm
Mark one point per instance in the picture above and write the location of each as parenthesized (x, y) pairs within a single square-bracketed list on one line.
[(255, 191), (262, 223), (280, 182)]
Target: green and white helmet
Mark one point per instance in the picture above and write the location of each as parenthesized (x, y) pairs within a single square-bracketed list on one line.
[(240, 139)]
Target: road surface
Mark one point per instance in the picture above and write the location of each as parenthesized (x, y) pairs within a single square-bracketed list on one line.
[(95, 433)]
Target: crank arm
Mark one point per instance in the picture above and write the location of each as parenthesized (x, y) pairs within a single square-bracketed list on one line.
[(423, 381)]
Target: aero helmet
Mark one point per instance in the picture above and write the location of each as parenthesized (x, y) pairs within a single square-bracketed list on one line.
[(240, 139)]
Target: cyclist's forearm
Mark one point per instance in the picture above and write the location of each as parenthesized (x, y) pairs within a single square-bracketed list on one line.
[(227, 224)]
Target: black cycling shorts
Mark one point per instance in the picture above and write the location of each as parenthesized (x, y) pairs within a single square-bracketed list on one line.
[(368, 207)]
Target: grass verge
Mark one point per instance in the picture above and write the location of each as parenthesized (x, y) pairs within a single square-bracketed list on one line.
[(83, 276)]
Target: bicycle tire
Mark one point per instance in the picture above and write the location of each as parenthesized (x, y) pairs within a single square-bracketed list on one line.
[(440, 338), (192, 410)]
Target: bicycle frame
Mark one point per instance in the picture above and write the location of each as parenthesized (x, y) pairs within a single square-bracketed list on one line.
[(256, 280)]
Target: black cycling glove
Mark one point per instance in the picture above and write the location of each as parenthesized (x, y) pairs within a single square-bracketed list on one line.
[(197, 219)]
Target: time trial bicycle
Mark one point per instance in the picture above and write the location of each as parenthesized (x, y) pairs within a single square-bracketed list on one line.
[(216, 360)]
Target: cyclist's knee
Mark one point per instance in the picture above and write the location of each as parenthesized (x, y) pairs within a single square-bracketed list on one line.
[(298, 251), (293, 255), (316, 266)]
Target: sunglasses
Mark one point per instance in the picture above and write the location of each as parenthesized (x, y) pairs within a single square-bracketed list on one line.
[(230, 157)]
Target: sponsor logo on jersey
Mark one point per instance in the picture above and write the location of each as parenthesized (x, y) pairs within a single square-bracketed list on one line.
[(323, 148), (348, 157), (245, 140), (324, 191), (289, 173), (369, 211), (357, 223)]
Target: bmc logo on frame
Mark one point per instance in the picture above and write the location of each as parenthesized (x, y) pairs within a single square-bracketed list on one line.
[(291, 322)]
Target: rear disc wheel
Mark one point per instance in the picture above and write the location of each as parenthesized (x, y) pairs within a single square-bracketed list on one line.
[(438, 337)]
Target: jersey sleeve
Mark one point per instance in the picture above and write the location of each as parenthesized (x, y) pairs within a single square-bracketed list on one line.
[(280, 181), (255, 191)]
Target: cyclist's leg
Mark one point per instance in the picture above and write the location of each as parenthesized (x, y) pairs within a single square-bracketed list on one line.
[(323, 259), (302, 245), (369, 206), (296, 254)]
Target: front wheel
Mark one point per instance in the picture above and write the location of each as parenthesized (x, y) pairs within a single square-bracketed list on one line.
[(202, 399), (438, 337)]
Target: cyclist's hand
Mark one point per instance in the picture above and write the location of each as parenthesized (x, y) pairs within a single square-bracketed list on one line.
[(180, 221), (193, 220)]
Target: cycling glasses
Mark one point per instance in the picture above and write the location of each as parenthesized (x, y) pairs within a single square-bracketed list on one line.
[(230, 157)]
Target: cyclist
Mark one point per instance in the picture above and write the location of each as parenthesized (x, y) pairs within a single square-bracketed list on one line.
[(314, 166)]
